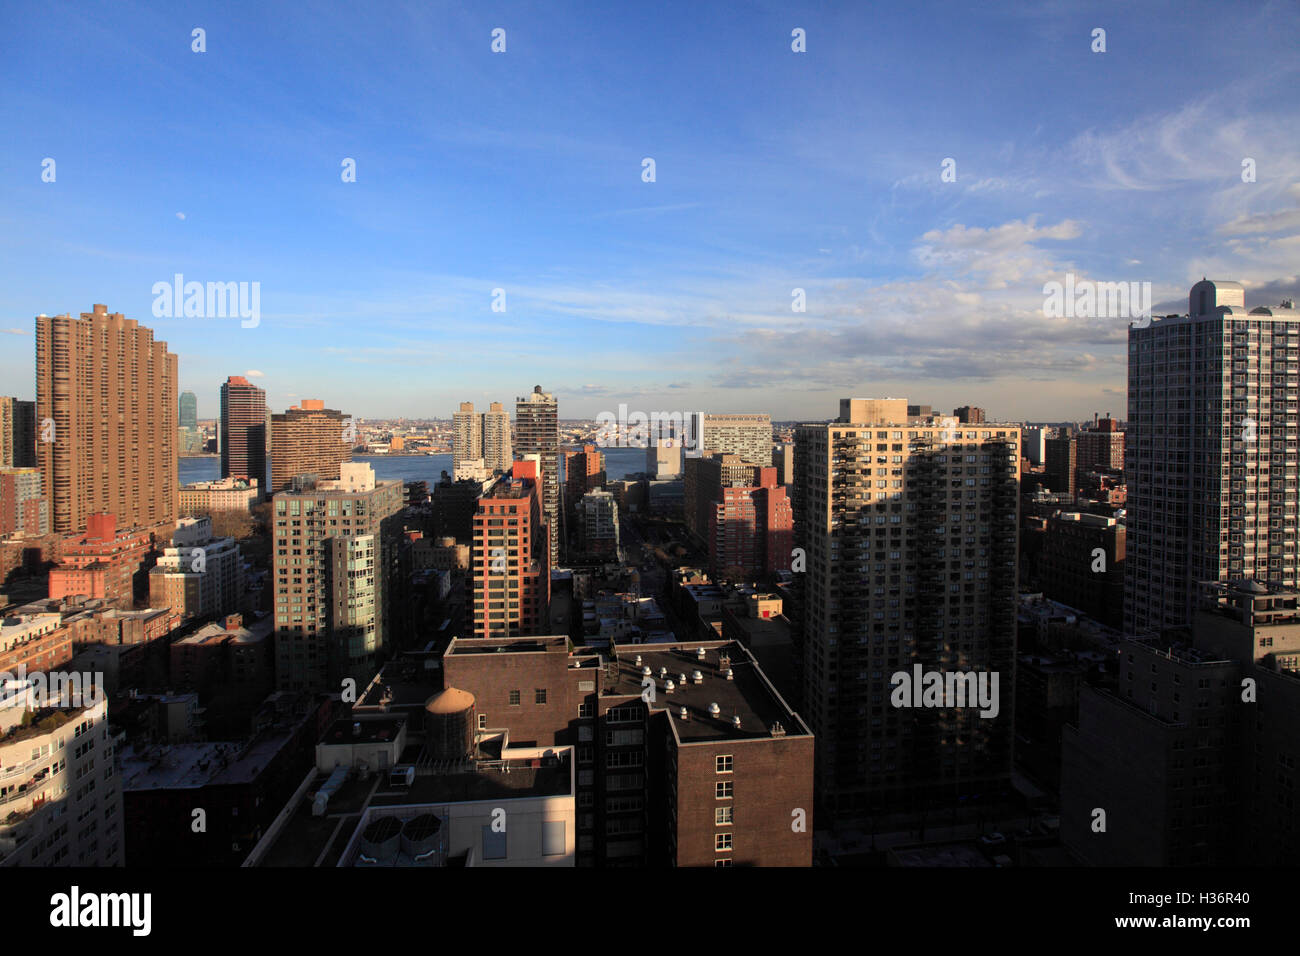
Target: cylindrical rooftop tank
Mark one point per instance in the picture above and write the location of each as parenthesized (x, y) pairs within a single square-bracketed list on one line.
[(449, 724)]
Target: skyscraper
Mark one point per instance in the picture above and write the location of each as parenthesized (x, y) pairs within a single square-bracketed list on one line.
[(479, 439), (466, 437), (243, 431), (189, 410), (308, 439), (497, 451), (537, 432), (909, 534), (331, 597), (1210, 455), (109, 391), (17, 433)]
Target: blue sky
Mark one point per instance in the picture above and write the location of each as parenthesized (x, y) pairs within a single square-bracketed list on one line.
[(775, 170)]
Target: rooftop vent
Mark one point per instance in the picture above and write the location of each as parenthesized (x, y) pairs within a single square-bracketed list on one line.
[(724, 661), (669, 687), (699, 654), (646, 671), (697, 677), (663, 672), (638, 660), (681, 679), (777, 730), (715, 710), (735, 721), (729, 673), (685, 714)]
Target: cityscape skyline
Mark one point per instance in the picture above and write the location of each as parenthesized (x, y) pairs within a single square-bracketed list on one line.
[(681, 287), (903, 470)]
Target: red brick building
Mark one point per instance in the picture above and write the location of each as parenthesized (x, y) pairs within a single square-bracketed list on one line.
[(510, 569), (714, 769), (751, 530), (103, 563)]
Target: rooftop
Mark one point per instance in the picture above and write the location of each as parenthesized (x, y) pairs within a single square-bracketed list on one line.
[(748, 695)]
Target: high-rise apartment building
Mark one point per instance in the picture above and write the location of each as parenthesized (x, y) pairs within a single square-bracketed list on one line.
[(510, 559), (335, 551), (466, 438), (597, 521), (17, 433), (497, 451), (584, 471), (309, 439), (751, 530), (969, 415), (909, 534), (480, 442), (702, 483), (110, 392), (749, 436), (1210, 458), (537, 432), (189, 410), (243, 434)]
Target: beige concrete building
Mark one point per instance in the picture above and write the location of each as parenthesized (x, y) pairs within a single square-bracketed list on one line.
[(749, 436), (308, 439), (909, 538), (109, 392)]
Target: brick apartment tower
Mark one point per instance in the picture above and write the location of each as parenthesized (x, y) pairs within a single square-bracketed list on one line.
[(1210, 456), (584, 471), (509, 560), (243, 431), (751, 531), (537, 432), (111, 392), (910, 532), (308, 439)]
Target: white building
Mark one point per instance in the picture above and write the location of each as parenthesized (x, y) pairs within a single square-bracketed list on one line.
[(60, 794)]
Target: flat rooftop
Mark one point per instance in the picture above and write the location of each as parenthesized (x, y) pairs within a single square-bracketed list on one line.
[(308, 840), (190, 766), (749, 695), (509, 645)]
